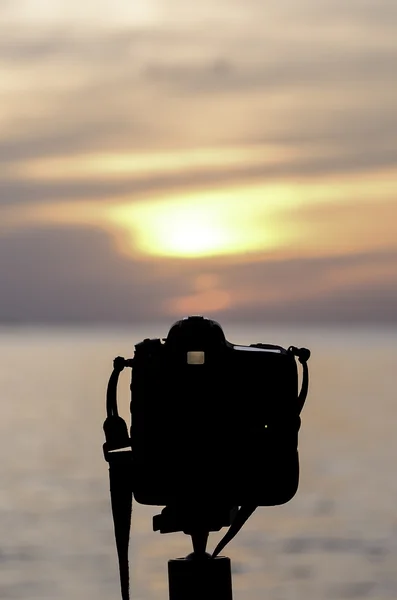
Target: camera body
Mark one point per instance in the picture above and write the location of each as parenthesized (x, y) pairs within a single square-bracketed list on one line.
[(213, 423)]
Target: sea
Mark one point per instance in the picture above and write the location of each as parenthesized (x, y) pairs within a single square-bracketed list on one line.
[(336, 539)]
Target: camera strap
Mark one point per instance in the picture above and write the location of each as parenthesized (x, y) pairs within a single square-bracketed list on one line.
[(244, 512), (117, 452), (303, 355)]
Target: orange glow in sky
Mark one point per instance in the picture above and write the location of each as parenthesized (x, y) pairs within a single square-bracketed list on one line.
[(222, 222), (312, 217), (309, 218)]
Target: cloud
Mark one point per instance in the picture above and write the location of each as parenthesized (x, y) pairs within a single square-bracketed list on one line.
[(368, 222), (40, 46), (329, 170), (357, 288), (75, 275), (362, 305), (314, 75)]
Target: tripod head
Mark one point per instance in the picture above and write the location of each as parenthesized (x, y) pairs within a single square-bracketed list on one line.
[(196, 521), (199, 575)]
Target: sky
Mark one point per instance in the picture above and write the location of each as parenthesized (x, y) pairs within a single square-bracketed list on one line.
[(236, 159)]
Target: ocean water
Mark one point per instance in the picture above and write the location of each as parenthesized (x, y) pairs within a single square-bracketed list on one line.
[(337, 539)]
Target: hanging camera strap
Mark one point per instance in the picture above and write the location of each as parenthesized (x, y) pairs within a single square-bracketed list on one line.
[(117, 452)]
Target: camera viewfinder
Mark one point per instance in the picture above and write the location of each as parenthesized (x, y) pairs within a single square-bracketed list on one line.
[(195, 358)]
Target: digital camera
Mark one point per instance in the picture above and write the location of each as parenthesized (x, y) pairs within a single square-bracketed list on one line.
[(213, 422)]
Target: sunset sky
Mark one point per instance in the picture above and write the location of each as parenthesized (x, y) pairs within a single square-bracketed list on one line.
[(234, 158)]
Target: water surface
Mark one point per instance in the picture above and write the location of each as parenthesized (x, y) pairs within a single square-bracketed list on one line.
[(337, 539)]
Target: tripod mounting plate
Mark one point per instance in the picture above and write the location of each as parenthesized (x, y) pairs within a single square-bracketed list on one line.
[(190, 519)]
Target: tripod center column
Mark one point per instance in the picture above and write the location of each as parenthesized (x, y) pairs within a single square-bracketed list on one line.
[(203, 578)]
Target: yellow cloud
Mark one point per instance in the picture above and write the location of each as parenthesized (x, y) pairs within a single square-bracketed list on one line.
[(307, 217), (312, 217), (115, 165)]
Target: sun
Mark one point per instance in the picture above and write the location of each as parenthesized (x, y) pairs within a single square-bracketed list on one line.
[(187, 233), (202, 224), (173, 230)]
